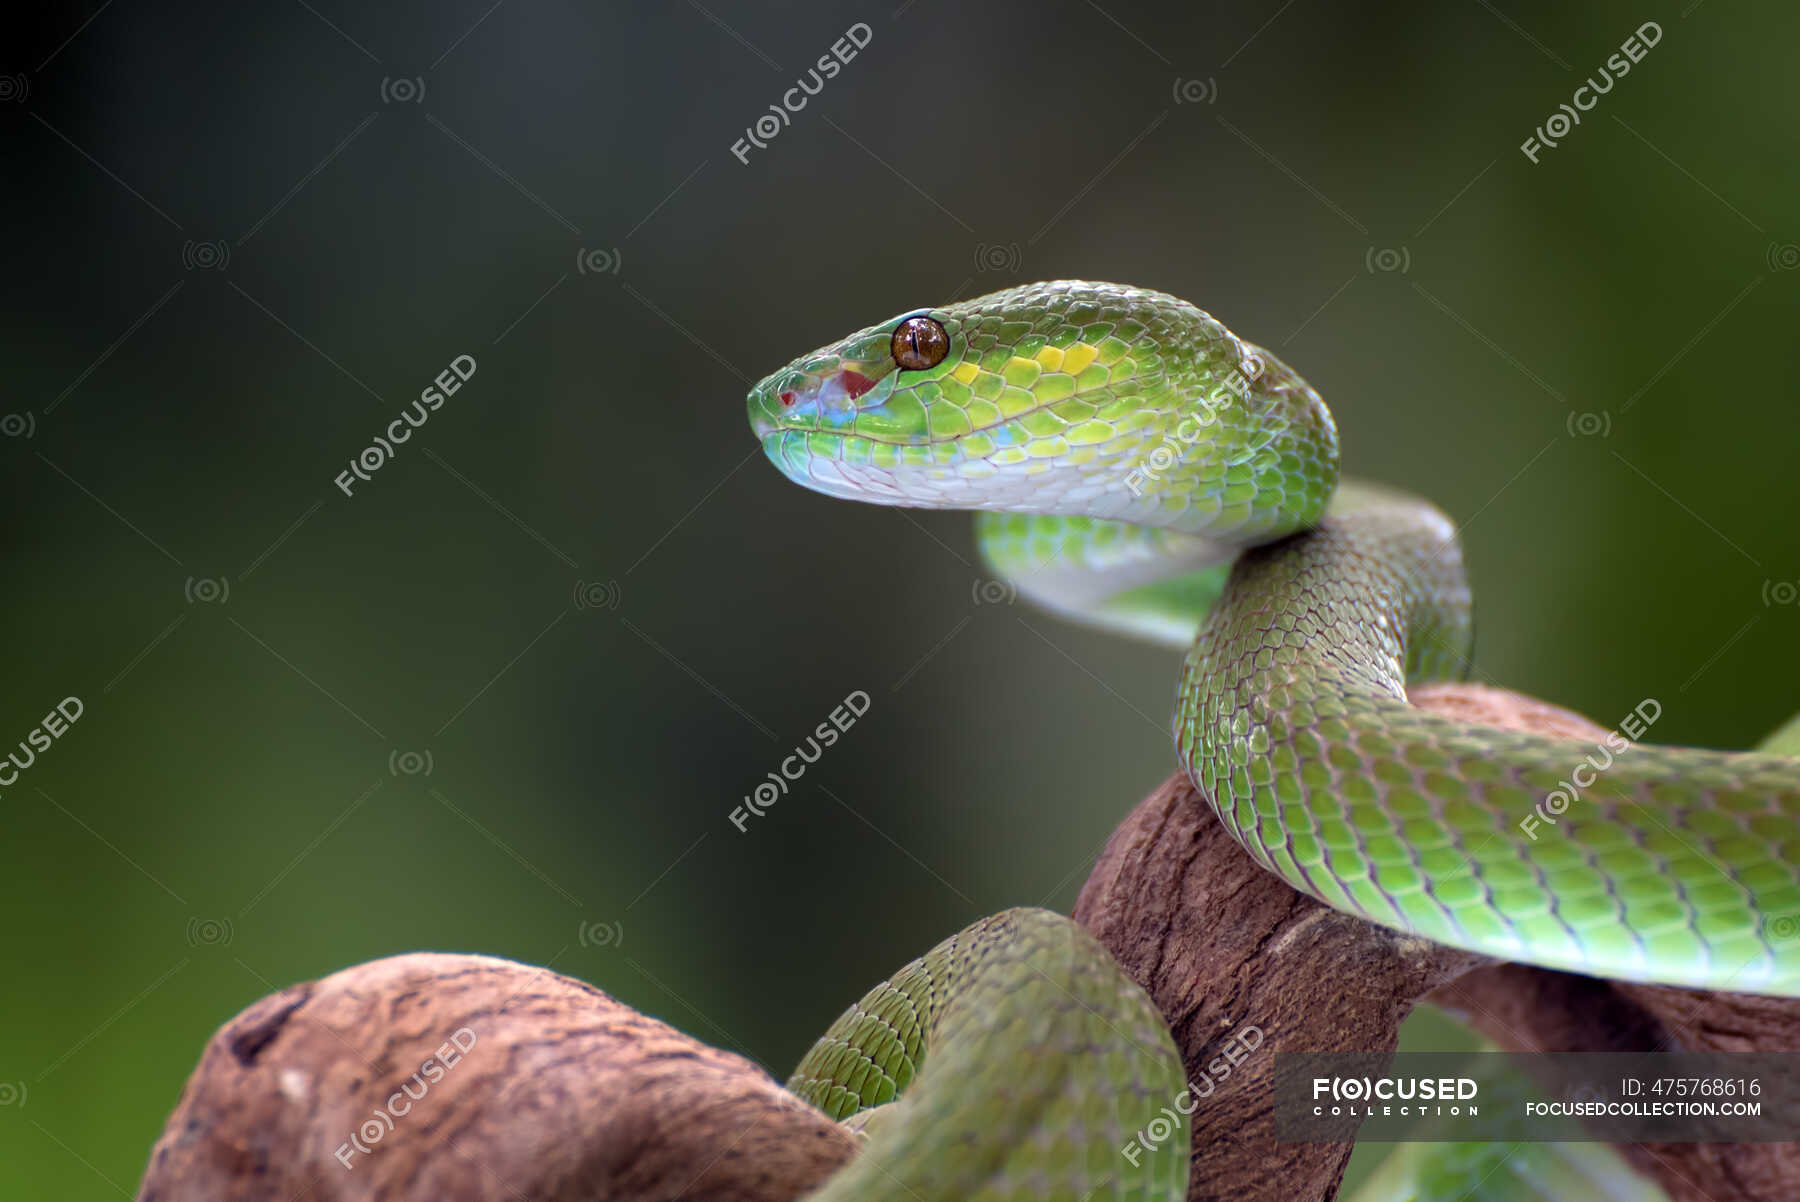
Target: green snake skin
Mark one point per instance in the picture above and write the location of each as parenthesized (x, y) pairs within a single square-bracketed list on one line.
[(1138, 466), (1078, 1059)]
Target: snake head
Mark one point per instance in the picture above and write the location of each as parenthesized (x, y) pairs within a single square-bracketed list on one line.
[(1060, 398)]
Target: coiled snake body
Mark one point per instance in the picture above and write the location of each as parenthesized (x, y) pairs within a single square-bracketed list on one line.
[(1138, 466)]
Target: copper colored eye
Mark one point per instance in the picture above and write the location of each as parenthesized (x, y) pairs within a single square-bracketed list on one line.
[(920, 342)]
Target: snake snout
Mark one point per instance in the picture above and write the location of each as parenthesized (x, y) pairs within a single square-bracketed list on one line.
[(765, 410), (787, 400), (819, 399)]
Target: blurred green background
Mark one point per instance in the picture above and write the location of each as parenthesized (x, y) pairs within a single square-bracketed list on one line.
[(504, 697)]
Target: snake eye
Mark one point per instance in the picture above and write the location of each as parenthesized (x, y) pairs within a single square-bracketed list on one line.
[(920, 342)]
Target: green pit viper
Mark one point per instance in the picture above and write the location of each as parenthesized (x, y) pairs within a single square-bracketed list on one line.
[(1135, 465)]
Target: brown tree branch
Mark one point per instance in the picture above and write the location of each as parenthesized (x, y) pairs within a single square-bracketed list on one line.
[(515, 1083), (470, 1079)]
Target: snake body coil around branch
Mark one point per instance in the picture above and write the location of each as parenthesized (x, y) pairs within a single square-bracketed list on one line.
[(1135, 465)]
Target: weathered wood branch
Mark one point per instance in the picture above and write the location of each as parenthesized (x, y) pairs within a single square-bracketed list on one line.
[(469, 1079), (473, 1079)]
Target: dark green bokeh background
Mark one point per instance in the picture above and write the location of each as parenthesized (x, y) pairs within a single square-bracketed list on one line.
[(224, 820)]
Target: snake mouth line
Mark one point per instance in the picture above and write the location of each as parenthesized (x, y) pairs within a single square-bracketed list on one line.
[(777, 425), (785, 431)]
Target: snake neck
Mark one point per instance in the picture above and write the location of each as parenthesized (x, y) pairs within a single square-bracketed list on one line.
[(1160, 585), (1375, 596)]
